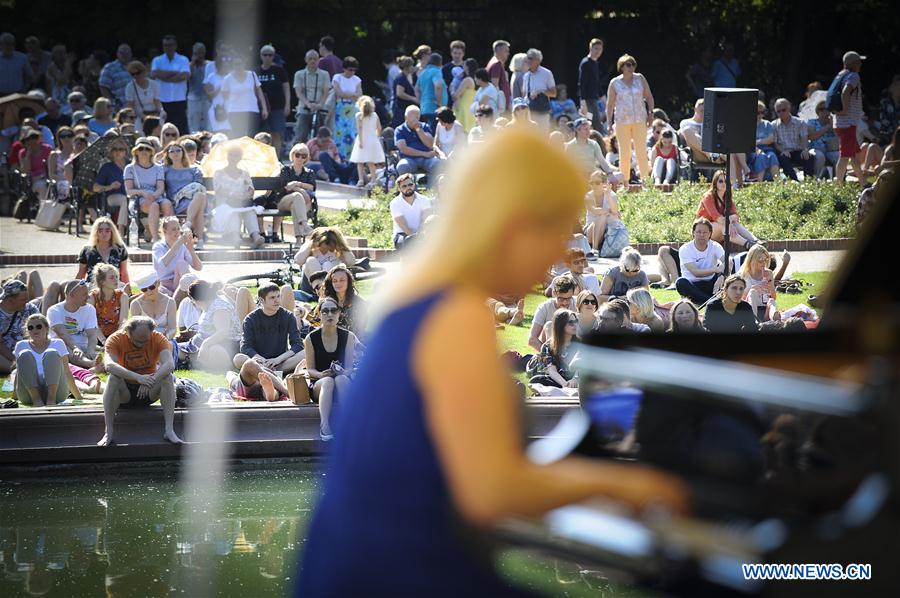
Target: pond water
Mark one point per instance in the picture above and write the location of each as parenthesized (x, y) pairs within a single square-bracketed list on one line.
[(130, 530)]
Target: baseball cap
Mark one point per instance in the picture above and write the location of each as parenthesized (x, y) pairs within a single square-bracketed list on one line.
[(11, 288), (852, 57), (580, 121)]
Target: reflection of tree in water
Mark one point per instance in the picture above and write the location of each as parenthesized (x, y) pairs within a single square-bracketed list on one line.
[(135, 542)]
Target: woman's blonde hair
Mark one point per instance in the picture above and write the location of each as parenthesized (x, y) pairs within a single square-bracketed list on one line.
[(168, 158), (114, 239), (584, 296), (599, 174), (366, 105), (102, 270), (643, 301), (518, 60), (331, 236), (488, 180), (752, 255)]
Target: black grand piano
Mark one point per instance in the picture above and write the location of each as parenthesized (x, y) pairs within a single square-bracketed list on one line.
[(789, 443)]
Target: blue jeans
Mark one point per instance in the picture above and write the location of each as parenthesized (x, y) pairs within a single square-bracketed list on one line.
[(343, 173), (416, 164)]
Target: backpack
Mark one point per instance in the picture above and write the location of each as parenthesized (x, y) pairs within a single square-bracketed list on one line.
[(188, 393), (833, 101), (615, 239)]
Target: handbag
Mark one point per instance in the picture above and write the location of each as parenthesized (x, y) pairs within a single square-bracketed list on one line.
[(615, 239), (22, 208), (298, 389), (50, 214)]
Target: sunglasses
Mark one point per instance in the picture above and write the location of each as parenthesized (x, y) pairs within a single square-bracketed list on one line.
[(267, 54), (175, 150), (299, 155), (589, 302), (572, 322), (144, 149), (36, 327), (630, 271), (327, 311), (631, 64), (66, 136), (150, 288)]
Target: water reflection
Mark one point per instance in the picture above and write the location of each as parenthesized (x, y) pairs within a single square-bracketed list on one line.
[(127, 538)]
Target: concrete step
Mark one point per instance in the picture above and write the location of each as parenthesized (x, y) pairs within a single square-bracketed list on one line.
[(69, 434)]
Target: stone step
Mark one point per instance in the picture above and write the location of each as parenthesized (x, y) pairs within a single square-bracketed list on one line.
[(69, 434)]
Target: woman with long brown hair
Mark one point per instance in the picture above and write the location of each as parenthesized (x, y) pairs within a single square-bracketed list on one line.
[(712, 207)]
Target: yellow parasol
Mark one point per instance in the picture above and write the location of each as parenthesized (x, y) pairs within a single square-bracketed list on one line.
[(259, 159)]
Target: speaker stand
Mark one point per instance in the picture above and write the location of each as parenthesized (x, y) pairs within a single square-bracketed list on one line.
[(726, 241)]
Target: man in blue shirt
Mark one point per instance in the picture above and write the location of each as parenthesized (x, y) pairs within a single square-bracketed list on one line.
[(726, 69), (416, 144), (114, 77), (431, 87), (172, 70)]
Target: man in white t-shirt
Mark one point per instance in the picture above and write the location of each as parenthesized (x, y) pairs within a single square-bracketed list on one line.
[(172, 70), (75, 322), (408, 210), (563, 289), (702, 264)]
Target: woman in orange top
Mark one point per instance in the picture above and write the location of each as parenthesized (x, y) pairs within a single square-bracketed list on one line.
[(712, 207), (110, 301)]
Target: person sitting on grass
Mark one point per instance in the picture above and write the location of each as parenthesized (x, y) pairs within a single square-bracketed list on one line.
[(665, 158), (271, 341), (156, 305), (729, 312), (702, 264), (760, 292), (624, 277), (329, 354), (218, 335), (185, 189), (42, 366), (602, 207), (563, 291), (712, 207), (587, 306), (234, 194), (575, 264), (553, 366), (409, 210), (324, 249), (643, 309), (623, 304), (15, 309), (684, 317), (175, 254), (140, 366), (614, 317), (75, 323), (110, 302), (341, 286)]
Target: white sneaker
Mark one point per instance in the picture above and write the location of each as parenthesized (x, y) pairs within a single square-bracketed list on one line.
[(232, 379)]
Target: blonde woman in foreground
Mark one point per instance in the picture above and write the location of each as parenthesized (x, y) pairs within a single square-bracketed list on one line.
[(421, 456)]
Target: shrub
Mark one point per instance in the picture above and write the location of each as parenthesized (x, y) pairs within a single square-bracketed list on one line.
[(807, 210)]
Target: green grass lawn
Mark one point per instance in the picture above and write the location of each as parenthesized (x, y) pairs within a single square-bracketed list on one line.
[(515, 338)]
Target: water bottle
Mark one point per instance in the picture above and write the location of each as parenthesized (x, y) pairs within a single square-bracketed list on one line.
[(133, 231)]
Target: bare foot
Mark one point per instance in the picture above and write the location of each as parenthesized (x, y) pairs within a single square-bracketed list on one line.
[(269, 392), (172, 437), (519, 316), (106, 441)]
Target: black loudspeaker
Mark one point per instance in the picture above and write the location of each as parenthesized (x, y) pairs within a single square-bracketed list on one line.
[(729, 120)]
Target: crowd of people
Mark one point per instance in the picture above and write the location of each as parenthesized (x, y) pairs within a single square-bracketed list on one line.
[(169, 112)]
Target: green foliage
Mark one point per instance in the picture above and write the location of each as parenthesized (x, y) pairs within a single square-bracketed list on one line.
[(373, 223), (808, 210)]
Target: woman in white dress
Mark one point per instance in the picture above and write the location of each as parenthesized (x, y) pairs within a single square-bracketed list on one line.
[(367, 150)]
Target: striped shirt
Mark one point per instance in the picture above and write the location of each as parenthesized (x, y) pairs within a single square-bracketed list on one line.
[(854, 110)]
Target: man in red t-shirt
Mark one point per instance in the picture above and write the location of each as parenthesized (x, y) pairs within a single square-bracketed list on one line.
[(496, 67), (139, 362), (32, 158)]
